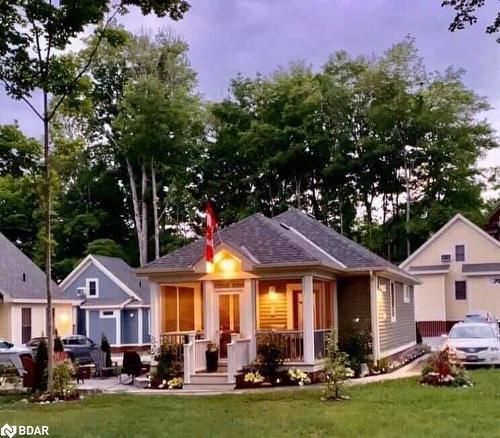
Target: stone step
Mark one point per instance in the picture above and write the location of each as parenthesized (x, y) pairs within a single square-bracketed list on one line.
[(209, 378)]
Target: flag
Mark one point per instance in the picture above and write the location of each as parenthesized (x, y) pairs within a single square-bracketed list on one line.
[(211, 228)]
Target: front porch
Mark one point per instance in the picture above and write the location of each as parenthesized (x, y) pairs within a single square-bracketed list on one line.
[(295, 310)]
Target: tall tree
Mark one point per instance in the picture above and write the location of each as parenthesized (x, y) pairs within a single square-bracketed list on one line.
[(33, 37)]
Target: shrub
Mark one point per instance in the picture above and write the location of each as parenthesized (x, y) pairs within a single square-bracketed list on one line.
[(41, 361), (175, 383), (253, 377), (355, 340), (165, 358), (106, 348), (336, 370), (298, 376), (63, 386), (270, 356), (440, 371)]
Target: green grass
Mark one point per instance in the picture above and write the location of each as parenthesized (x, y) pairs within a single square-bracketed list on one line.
[(396, 408)]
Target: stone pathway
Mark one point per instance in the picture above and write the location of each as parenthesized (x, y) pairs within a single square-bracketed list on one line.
[(113, 386)]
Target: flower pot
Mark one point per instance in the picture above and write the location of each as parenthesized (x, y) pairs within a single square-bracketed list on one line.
[(212, 358)]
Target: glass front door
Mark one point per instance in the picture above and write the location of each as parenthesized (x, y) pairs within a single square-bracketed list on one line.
[(229, 320)]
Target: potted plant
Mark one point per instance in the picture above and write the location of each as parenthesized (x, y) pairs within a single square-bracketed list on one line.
[(212, 357)]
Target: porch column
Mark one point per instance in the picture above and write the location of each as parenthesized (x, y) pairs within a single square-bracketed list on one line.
[(374, 317), (155, 323), (308, 318), (247, 312), (209, 310)]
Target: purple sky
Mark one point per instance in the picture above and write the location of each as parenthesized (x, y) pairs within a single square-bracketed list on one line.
[(248, 36)]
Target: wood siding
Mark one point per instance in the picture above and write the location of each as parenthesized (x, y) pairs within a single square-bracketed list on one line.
[(354, 300), (398, 333)]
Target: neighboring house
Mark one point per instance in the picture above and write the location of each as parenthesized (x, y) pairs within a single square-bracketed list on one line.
[(493, 222), (289, 277), (459, 267), (113, 302), (23, 298)]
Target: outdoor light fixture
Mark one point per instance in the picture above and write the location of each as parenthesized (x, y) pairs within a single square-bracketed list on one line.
[(228, 265), (272, 292), (63, 318)]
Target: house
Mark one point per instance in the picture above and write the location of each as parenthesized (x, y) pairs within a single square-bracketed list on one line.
[(112, 301), (459, 267), (289, 277), (493, 222), (23, 298)]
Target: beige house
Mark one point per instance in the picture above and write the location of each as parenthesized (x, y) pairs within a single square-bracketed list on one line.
[(459, 268), (290, 277), (22, 298)]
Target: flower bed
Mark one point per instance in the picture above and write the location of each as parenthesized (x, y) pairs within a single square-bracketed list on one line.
[(439, 371)]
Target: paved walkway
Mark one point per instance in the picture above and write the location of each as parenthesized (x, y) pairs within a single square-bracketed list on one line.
[(113, 386)]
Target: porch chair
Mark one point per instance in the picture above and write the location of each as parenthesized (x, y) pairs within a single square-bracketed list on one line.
[(132, 367), (99, 358)]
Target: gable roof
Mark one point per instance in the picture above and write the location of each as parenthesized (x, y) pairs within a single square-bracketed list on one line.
[(292, 238), (457, 218), (119, 271), (13, 264)]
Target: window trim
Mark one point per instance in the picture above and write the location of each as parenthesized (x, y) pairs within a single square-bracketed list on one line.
[(465, 253), (23, 326), (406, 294), (87, 286), (393, 301), (465, 283), (102, 314)]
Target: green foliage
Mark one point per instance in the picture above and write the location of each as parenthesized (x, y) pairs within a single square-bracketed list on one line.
[(166, 366), (63, 386), (335, 370), (105, 247), (441, 371), (107, 350), (270, 356), (355, 340), (41, 361)]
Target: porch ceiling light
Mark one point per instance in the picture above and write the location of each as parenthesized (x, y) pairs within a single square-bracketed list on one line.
[(272, 292), (228, 265)]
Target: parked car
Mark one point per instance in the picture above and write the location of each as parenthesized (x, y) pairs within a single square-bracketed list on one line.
[(8, 347), (483, 316), (10, 354), (78, 348), (473, 343)]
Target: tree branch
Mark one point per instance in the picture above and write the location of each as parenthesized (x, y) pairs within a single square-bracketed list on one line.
[(87, 64), (7, 86)]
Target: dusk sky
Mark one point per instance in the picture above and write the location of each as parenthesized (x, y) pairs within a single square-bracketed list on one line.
[(248, 36)]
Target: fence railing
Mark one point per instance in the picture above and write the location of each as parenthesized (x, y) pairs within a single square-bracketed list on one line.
[(291, 341), (238, 356), (176, 341)]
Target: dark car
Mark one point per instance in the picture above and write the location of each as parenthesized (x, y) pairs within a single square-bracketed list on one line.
[(78, 347)]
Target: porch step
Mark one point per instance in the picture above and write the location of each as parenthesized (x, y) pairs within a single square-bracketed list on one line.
[(209, 378)]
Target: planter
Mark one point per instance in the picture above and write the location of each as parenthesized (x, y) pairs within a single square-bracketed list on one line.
[(212, 358)]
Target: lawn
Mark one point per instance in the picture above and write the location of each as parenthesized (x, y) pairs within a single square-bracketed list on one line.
[(395, 408)]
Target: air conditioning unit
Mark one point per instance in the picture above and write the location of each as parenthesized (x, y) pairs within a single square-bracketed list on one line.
[(81, 292), (445, 258)]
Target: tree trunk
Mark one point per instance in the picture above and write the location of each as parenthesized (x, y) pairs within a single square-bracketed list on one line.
[(155, 211), (408, 205), (297, 192), (144, 214), (137, 216), (48, 243)]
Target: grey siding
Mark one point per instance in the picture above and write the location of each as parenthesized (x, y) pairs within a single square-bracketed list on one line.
[(145, 326), (130, 327), (402, 331), (108, 289), (99, 326), (354, 301)]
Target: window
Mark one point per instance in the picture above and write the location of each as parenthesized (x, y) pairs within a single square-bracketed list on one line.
[(460, 290), (323, 304), (92, 287), (279, 304), (392, 298), (25, 324), (445, 258), (107, 314), (182, 309), (460, 253), (406, 294)]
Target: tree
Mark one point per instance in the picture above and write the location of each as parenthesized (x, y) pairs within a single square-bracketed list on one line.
[(33, 37), (465, 15), (105, 247)]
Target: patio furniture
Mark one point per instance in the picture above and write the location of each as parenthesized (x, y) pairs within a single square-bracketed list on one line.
[(99, 358), (132, 367)]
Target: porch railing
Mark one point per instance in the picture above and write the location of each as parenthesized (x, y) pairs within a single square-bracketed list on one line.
[(238, 356), (194, 356), (291, 341), (176, 341)]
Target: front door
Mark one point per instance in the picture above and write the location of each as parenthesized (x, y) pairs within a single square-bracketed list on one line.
[(229, 320)]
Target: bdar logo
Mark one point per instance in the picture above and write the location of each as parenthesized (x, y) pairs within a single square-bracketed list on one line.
[(8, 430)]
